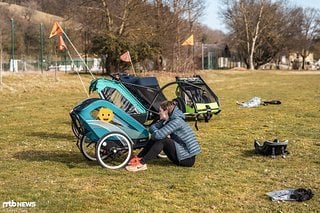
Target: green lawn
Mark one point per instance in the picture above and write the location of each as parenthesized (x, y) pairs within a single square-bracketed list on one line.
[(41, 163)]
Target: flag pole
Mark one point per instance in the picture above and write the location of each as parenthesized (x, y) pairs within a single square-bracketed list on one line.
[(1, 59), (193, 66), (84, 87), (190, 42), (77, 53), (57, 29), (134, 72), (126, 57), (57, 25)]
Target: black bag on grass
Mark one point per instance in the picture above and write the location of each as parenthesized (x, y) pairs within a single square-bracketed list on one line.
[(301, 194), (271, 148)]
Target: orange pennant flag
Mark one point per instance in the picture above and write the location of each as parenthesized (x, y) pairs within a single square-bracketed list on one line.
[(125, 57), (188, 42), (56, 30), (61, 45)]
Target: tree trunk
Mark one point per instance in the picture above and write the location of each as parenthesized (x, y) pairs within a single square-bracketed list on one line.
[(124, 17), (303, 62), (108, 16), (254, 39)]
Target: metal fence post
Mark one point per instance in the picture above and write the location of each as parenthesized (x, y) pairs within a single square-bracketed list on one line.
[(1, 59), (41, 47), (12, 44)]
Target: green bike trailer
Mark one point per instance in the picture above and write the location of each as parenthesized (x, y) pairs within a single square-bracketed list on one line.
[(195, 97)]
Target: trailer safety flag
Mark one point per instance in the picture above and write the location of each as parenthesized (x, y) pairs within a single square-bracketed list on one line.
[(56, 30), (189, 41), (61, 45), (125, 57)]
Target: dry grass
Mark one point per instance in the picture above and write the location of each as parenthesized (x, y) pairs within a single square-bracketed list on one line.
[(37, 17), (40, 162)]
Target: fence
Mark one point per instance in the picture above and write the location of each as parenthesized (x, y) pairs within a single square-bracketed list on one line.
[(31, 53), (18, 65), (215, 57)]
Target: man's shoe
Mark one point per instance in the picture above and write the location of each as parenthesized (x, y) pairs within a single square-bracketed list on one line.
[(137, 167)]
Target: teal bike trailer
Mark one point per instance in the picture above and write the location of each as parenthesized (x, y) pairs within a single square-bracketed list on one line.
[(107, 133)]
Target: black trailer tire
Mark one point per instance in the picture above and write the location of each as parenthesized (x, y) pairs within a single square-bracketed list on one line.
[(88, 148), (114, 150)]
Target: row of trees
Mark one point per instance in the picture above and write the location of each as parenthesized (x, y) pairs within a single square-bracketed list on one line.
[(150, 30), (263, 30)]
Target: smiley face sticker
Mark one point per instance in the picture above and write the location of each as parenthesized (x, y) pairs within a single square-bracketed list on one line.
[(105, 115)]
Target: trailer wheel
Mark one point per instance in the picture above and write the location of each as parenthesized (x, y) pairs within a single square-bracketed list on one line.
[(88, 148), (114, 150)]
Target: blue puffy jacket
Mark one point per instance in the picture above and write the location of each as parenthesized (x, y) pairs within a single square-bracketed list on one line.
[(179, 131)]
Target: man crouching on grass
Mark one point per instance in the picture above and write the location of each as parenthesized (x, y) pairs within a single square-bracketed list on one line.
[(172, 135)]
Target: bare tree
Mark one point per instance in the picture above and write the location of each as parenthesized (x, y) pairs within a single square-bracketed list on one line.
[(115, 17), (259, 28), (244, 19), (310, 31), (30, 7), (185, 14)]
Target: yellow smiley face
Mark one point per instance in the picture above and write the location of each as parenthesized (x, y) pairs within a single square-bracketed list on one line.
[(105, 114)]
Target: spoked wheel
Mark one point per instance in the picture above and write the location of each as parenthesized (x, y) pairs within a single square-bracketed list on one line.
[(76, 126), (88, 148), (75, 130), (114, 150)]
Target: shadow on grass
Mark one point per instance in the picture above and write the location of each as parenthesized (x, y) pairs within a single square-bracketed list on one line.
[(71, 159), (249, 153), (56, 135), (162, 162)]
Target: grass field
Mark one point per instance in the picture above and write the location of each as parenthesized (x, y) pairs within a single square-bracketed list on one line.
[(41, 163)]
